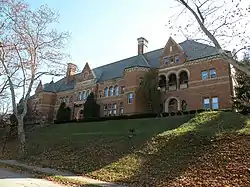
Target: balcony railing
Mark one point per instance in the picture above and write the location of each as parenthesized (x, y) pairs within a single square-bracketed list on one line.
[(183, 85), (172, 87)]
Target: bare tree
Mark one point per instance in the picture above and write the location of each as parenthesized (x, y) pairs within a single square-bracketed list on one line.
[(30, 48), (220, 22)]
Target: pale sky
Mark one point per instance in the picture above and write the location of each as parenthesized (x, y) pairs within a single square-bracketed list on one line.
[(105, 31)]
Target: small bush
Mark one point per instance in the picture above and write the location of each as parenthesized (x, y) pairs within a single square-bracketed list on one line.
[(179, 113), (172, 114), (192, 112), (201, 110), (165, 114), (185, 112), (226, 110)]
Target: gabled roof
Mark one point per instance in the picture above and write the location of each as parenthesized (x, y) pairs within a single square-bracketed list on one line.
[(194, 50)]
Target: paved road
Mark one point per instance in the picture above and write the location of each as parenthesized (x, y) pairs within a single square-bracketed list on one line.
[(11, 179)]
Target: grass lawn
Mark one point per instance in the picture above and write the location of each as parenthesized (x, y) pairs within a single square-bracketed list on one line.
[(209, 149)]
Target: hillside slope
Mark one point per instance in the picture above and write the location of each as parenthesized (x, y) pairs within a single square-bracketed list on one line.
[(209, 149)]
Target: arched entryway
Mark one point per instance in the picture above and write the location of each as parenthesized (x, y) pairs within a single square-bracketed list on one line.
[(79, 114), (173, 105)]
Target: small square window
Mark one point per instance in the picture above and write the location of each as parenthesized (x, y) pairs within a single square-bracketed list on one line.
[(212, 73), (206, 103), (166, 60), (215, 103), (177, 59), (130, 98), (204, 75)]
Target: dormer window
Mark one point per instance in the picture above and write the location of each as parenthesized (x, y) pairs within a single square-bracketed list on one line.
[(166, 60), (177, 59)]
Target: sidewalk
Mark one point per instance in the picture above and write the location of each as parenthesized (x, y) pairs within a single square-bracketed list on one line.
[(66, 175)]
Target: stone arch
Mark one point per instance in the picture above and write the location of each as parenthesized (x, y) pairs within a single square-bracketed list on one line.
[(171, 72), (79, 114), (181, 70), (167, 103)]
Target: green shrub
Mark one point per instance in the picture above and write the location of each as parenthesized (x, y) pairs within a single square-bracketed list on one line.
[(179, 113), (63, 113), (172, 114), (91, 108), (192, 112), (201, 110)]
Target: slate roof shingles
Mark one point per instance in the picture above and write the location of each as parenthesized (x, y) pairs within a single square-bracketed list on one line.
[(194, 50)]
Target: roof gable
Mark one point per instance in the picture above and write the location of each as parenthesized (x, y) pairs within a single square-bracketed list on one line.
[(194, 50)]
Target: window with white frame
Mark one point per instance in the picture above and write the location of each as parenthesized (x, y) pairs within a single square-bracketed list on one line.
[(114, 109), (130, 98), (79, 96), (121, 109), (111, 91), (66, 99), (105, 109), (206, 103), (106, 92), (215, 103), (83, 97), (116, 90), (87, 94)]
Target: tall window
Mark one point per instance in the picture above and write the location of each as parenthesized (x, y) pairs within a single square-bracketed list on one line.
[(79, 96), (114, 109), (204, 75), (105, 109), (83, 95), (122, 90), (111, 91), (66, 99), (121, 109), (116, 90), (106, 92), (87, 94), (215, 103), (130, 98), (212, 73), (206, 103)]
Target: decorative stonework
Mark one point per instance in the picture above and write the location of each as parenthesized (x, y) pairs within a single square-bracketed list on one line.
[(136, 69)]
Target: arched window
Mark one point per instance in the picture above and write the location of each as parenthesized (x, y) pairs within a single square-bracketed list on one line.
[(111, 91), (87, 94), (106, 92), (67, 99), (83, 95), (79, 96), (116, 90)]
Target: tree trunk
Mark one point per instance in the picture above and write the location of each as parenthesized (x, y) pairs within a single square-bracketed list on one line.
[(21, 137)]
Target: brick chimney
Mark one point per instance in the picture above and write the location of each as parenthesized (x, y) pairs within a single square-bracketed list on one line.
[(71, 71), (142, 45)]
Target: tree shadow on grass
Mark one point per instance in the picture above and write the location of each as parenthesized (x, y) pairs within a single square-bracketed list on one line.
[(173, 158), (88, 152)]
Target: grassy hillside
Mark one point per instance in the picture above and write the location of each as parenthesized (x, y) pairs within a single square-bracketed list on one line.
[(209, 149)]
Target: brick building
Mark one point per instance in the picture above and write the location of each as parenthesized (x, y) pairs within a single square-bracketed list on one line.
[(192, 75)]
